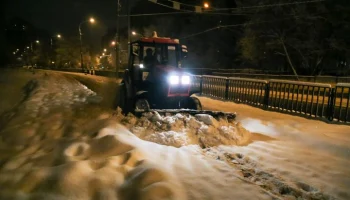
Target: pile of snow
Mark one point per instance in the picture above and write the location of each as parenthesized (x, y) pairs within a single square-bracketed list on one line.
[(44, 154), (102, 167), (183, 129)]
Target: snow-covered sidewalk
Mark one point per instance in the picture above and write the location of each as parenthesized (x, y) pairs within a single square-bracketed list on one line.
[(64, 141), (306, 154)]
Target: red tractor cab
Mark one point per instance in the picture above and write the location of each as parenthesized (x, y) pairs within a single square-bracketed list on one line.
[(154, 79)]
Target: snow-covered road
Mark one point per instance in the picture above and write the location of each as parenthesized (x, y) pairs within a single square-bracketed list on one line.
[(62, 139)]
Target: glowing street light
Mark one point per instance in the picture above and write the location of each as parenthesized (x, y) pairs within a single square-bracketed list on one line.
[(58, 36), (37, 41), (92, 20), (135, 33), (206, 5), (103, 54), (104, 50), (112, 43)]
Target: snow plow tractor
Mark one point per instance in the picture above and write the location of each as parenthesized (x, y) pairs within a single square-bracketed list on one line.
[(155, 81)]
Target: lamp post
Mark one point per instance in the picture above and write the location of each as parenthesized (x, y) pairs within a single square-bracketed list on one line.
[(117, 40), (31, 50), (56, 36), (91, 20)]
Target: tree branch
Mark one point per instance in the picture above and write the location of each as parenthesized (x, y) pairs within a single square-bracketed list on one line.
[(288, 58)]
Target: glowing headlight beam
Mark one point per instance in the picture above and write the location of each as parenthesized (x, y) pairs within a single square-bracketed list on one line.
[(174, 80), (185, 80)]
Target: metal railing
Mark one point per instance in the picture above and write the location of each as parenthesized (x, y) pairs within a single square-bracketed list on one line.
[(340, 102), (315, 100), (311, 99), (315, 79), (214, 86), (244, 90)]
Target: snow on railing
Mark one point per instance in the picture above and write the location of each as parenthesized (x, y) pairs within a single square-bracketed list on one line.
[(301, 83)]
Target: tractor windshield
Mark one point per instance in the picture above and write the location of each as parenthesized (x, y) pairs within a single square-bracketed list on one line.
[(160, 54)]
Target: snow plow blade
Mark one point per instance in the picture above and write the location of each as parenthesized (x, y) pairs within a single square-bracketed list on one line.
[(215, 114)]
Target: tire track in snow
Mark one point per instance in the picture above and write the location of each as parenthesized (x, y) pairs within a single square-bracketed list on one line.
[(260, 163)]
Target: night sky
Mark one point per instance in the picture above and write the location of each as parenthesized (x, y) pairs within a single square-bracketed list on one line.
[(64, 16)]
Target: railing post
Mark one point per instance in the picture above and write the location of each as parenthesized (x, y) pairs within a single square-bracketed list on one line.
[(331, 104), (201, 85), (226, 88), (267, 95)]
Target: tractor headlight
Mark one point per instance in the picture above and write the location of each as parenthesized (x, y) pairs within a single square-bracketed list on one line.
[(174, 80), (185, 80)]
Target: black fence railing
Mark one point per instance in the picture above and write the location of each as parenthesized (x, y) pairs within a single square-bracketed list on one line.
[(311, 99), (315, 79), (244, 90), (340, 102), (316, 100)]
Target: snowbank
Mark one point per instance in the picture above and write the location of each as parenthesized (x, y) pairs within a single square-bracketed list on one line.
[(46, 155), (183, 129), (102, 167)]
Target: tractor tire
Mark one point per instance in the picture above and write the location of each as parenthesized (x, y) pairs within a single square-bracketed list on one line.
[(141, 105), (124, 103), (193, 103)]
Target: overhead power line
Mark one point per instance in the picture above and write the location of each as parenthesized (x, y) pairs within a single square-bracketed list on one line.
[(198, 9), (155, 2), (235, 25), (212, 12), (176, 13), (185, 4), (270, 5)]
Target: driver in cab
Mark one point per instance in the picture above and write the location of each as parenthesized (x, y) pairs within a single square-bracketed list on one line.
[(150, 59)]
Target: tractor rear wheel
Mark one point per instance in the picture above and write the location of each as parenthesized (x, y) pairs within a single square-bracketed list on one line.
[(193, 103)]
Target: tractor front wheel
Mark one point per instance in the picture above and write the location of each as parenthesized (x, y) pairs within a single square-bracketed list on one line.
[(142, 105)]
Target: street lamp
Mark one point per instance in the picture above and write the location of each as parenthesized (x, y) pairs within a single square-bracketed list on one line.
[(91, 20), (135, 33), (206, 5), (37, 41), (56, 36), (112, 43), (104, 50)]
